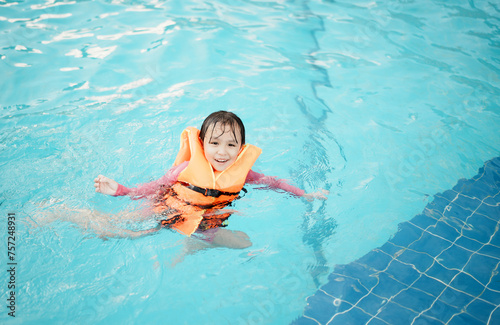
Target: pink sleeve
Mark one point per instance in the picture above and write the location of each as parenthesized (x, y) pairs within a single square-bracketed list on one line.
[(122, 190), (273, 182), (147, 189)]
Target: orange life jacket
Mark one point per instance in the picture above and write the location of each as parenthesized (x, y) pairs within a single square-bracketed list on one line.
[(199, 189)]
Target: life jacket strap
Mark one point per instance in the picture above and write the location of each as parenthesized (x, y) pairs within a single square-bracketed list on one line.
[(206, 191)]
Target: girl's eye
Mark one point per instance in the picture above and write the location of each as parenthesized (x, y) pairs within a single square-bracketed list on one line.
[(232, 145), (214, 143)]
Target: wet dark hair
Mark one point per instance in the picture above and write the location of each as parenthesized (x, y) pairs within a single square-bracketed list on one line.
[(224, 119)]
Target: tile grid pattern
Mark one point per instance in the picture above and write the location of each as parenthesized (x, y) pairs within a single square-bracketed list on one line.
[(441, 267)]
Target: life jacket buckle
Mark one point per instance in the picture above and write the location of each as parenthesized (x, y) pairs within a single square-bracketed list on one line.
[(212, 192), (206, 191)]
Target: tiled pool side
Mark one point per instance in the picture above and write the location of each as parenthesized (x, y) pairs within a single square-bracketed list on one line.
[(441, 267)]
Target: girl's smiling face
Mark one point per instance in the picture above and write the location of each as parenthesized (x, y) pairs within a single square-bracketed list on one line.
[(221, 147)]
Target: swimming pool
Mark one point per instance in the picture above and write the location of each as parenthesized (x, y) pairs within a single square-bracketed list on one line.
[(383, 103)]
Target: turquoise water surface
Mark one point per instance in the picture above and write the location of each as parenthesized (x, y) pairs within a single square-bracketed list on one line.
[(384, 103)]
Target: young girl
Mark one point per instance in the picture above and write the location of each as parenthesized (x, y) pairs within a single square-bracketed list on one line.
[(211, 168)]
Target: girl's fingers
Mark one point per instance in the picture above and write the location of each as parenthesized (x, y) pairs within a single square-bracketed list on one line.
[(323, 194)]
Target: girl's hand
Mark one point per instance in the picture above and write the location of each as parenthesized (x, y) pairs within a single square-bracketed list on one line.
[(105, 185), (321, 195)]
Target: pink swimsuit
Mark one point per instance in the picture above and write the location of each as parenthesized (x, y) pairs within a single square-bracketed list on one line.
[(169, 179)]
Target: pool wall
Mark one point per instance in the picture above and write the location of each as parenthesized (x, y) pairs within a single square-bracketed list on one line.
[(441, 267)]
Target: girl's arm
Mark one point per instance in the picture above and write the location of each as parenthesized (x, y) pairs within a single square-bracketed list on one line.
[(276, 183), (273, 182), (108, 186)]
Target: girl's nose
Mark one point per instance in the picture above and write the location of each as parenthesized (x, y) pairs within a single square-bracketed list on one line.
[(221, 150)]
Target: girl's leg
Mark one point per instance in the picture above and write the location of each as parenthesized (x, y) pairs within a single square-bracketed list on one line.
[(104, 225), (212, 238), (230, 238)]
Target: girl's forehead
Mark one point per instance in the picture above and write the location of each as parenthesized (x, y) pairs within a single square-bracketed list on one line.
[(219, 129)]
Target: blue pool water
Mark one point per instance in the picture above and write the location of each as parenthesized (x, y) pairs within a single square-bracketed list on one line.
[(384, 103)]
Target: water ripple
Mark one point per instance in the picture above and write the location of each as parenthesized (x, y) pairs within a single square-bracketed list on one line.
[(380, 102)]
